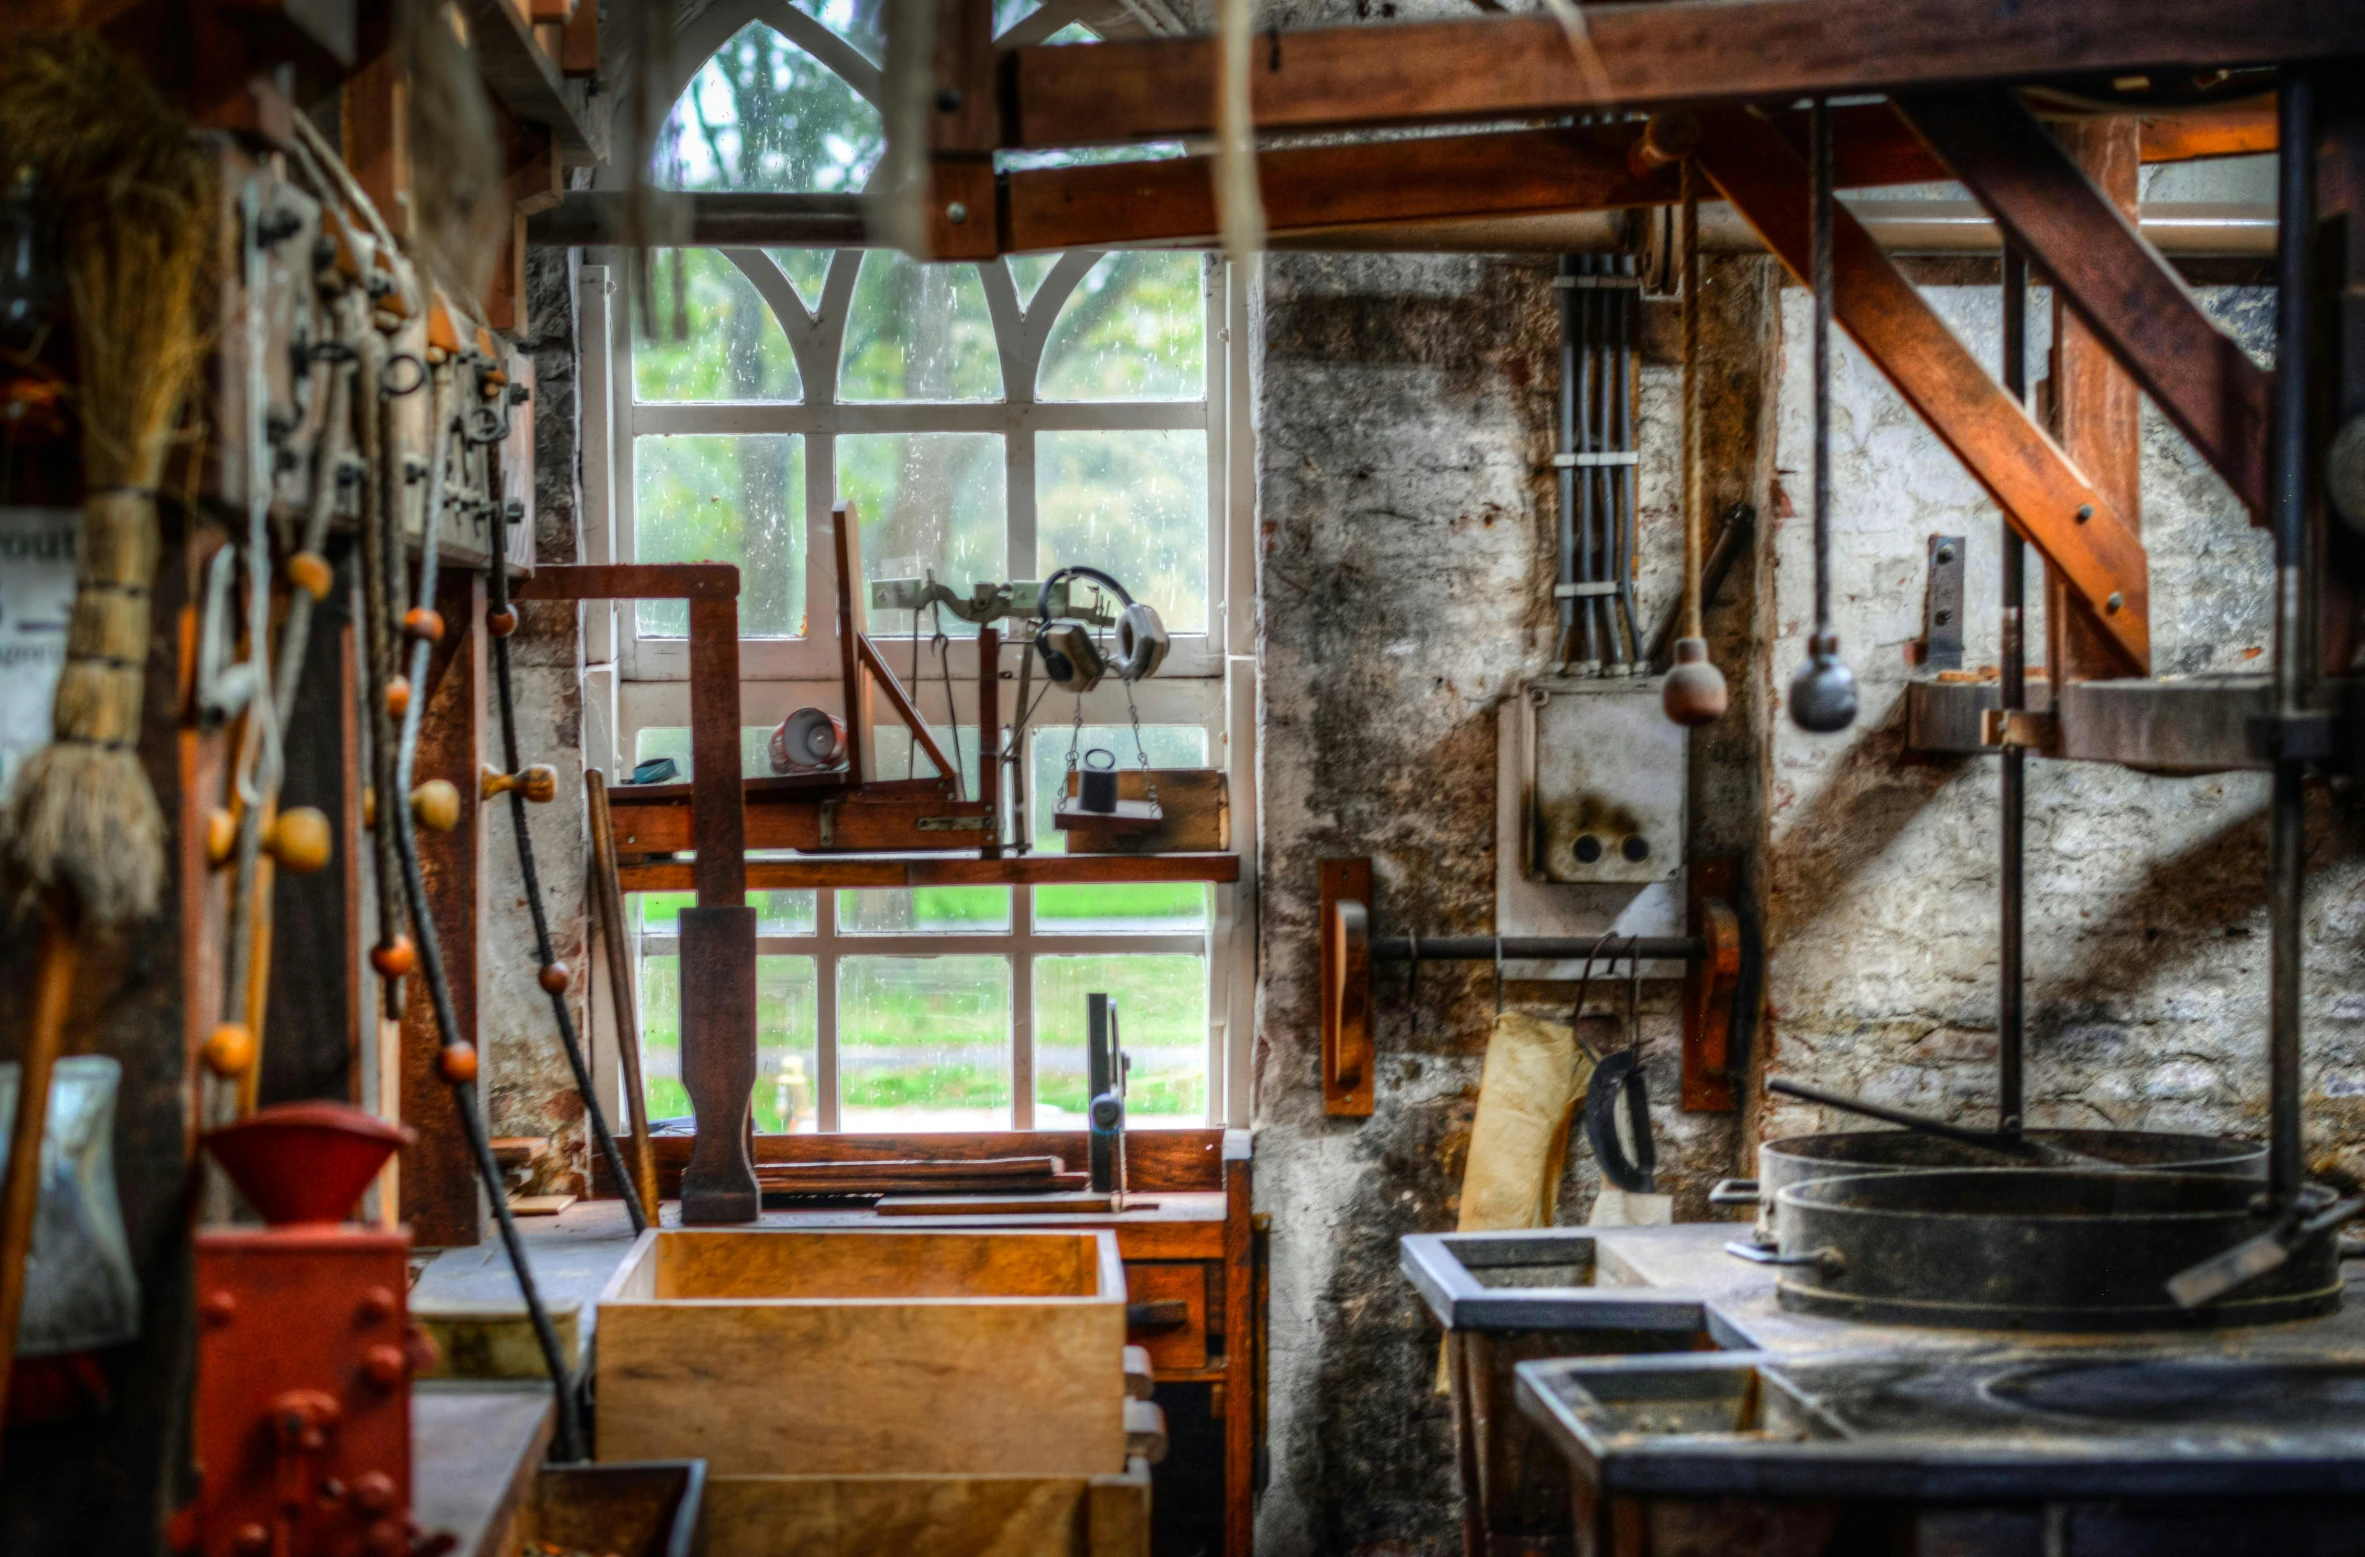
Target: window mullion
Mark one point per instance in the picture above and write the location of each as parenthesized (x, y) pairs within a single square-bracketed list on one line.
[(825, 1008), (1022, 1009)]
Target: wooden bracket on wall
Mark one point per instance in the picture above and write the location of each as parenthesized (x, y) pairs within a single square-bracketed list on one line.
[(1710, 986), (1347, 1049)]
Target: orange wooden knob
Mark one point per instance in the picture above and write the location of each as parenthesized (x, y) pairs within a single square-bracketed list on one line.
[(538, 783), (369, 805), (309, 571), (423, 622), (398, 696), (229, 1050), (300, 840), (501, 622), (554, 978), (221, 837), (435, 805), (457, 1062), (394, 959)]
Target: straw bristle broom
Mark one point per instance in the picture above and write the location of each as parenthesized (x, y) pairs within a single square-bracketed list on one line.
[(137, 216), (136, 210)]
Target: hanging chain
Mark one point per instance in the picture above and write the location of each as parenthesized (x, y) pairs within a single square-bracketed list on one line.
[(1076, 733), (1149, 785)]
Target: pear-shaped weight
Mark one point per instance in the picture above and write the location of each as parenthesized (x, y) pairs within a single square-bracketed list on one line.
[(1823, 693), (1694, 691)]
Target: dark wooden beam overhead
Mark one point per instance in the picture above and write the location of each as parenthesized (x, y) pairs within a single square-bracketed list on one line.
[(2118, 284), (2054, 507), (1651, 55)]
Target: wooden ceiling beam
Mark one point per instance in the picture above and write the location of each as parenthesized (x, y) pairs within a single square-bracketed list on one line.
[(1650, 55)]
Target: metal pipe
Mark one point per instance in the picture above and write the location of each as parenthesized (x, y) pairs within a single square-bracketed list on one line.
[(2295, 111), (1581, 443), (2011, 986), (1622, 480), (1536, 948), (1823, 693), (1564, 444)]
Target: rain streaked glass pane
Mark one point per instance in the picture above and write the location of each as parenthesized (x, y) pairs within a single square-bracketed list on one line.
[(712, 498), (1133, 504), (1134, 329), (787, 1041), (733, 348), (763, 114), (1168, 745), (924, 1043), (1122, 908), (929, 502), (776, 913), (755, 749), (918, 332), (1009, 13), (1027, 272), (859, 22), (788, 1025), (809, 269), (900, 756), (1161, 1025), (924, 911)]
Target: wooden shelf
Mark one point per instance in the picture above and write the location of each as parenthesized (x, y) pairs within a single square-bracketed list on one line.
[(966, 870)]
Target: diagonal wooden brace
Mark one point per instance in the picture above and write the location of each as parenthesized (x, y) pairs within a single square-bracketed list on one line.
[(2054, 507), (2117, 283)]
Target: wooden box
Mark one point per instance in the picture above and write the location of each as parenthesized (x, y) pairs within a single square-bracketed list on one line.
[(815, 1353), (930, 1516)]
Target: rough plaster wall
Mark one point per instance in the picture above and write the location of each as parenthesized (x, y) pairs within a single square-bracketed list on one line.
[(533, 1088), (2147, 926), (1405, 498)]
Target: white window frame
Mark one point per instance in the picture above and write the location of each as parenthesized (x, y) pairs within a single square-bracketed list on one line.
[(632, 683)]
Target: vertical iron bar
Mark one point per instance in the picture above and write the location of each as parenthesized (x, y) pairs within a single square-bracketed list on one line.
[(2295, 108), (1564, 444), (2011, 1014), (1600, 477), (1820, 132), (1581, 441), (1622, 479), (1100, 1076)]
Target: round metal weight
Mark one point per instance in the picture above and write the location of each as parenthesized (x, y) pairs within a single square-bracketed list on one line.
[(2061, 1249), (1800, 1159)]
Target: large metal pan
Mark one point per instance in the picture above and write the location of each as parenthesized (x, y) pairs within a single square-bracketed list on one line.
[(1800, 1159), (2035, 1249)]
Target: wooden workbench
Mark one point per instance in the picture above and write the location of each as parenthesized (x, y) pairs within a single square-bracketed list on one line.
[(1193, 1291)]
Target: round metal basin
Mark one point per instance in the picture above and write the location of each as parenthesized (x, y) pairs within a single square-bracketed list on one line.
[(1800, 1159), (2172, 1395), (2034, 1249)]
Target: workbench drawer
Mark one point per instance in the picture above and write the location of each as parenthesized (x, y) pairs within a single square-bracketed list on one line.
[(1166, 1311)]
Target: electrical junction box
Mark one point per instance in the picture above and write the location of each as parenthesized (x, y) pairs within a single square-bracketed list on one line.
[(1590, 814), (1604, 784)]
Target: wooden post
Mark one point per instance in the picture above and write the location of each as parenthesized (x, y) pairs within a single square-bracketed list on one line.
[(439, 1193), (1240, 1342), (718, 936), (2097, 411)]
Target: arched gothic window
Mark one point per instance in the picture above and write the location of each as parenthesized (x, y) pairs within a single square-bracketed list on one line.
[(989, 421)]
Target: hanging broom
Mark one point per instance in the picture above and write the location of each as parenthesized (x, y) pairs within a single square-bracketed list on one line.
[(83, 830)]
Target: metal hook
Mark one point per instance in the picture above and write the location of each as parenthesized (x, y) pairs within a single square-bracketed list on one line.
[(386, 380)]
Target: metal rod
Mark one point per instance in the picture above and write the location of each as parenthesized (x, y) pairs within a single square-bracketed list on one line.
[(1537, 948), (1695, 523), (1604, 437), (1565, 443), (1581, 441), (2295, 110), (2000, 1142), (2011, 983), (1622, 479), (1822, 201)]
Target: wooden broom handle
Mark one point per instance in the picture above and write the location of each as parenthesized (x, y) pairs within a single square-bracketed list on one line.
[(20, 1192)]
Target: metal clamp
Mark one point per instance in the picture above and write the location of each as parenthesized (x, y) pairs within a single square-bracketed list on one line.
[(1734, 1192), (1828, 1260)]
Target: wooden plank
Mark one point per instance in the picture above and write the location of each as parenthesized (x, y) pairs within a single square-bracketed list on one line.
[(2096, 409), (900, 701), (1027, 870), (717, 804), (439, 1193), (1243, 1331), (526, 80), (2027, 474), (2125, 295), (2238, 130), (1024, 1379), (1647, 55), (474, 1455), (1176, 1161), (630, 581), (940, 1516), (1197, 814), (859, 821), (1172, 1347)]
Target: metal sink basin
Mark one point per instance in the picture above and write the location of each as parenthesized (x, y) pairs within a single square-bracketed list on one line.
[(1543, 1280)]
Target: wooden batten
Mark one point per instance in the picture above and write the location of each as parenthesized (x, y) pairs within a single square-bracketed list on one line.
[(1197, 814)]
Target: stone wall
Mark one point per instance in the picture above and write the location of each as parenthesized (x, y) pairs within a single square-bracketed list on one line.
[(1405, 512)]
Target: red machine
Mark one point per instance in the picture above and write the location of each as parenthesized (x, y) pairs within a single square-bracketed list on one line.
[(305, 1349)]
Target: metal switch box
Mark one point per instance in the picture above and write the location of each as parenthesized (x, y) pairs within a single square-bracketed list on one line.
[(1605, 783)]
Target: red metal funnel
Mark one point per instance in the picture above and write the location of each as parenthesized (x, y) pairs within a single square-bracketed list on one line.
[(305, 1162)]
